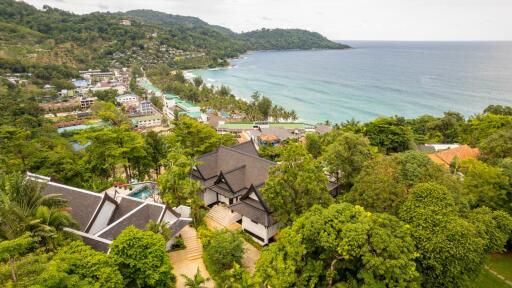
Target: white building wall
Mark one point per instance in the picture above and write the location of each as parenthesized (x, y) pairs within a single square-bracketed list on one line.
[(103, 217), (209, 197), (169, 217), (223, 199), (255, 228), (272, 230)]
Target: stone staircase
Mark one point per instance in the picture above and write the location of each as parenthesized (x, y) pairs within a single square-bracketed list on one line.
[(222, 215), (194, 249)]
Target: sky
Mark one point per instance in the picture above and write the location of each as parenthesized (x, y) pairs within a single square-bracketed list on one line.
[(409, 20)]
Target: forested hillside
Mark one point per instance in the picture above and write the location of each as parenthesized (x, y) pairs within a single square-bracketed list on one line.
[(100, 40)]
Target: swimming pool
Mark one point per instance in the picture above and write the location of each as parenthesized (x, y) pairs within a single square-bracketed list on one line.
[(144, 192)]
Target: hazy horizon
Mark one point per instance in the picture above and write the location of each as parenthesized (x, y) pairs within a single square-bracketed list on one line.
[(370, 20)]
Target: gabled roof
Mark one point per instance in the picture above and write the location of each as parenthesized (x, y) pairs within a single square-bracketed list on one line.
[(106, 198), (139, 218), (254, 209), (246, 147), (86, 206), (462, 152), (83, 204), (234, 179), (228, 159), (125, 206)]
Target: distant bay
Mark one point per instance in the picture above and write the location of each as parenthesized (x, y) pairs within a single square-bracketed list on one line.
[(376, 78)]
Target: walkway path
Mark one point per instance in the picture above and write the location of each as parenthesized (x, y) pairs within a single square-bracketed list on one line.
[(498, 275), (188, 260)]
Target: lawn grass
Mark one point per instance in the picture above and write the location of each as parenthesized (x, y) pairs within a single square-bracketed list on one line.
[(486, 279), (502, 264)]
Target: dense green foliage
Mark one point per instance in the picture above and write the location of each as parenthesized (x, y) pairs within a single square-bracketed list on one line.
[(217, 99), (345, 158), (386, 181), (486, 186), (452, 249), (341, 246), (222, 250), (295, 185), (194, 138), (142, 259)]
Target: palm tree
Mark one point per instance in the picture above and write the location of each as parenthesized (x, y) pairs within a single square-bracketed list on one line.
[(161, 228), (195, 282), (23, 208)]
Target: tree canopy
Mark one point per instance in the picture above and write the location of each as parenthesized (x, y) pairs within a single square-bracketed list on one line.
[(142, 259), (341, 246), (295, 184)]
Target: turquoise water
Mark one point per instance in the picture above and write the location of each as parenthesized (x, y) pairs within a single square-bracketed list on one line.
[(144, 193), (79, 127), (376, 78)]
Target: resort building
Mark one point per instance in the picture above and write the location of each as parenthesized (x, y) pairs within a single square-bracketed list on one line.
[(462, 152), (147, 121), (103, 216), (174, 106), (239, 127), (127, 99), (86, 102), (269, 136), (146, 108), (430, 148), (231, 176)]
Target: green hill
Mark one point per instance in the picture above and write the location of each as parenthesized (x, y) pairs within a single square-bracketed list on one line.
[(100, 40), (282, 39)]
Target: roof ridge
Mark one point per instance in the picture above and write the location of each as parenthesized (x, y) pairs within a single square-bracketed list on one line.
[(252, 156), (234, 169), (113, 224)]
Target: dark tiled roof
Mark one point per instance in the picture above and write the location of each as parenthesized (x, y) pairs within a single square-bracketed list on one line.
[(250, 208), (95, 243), (83, 204), (229, 160), (236, 178), (246, 147), (125, 206), (254, 209), (138, 218), (178, 225)]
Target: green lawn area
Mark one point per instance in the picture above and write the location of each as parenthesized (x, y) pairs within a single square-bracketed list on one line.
[(486, 279), (501, 263)]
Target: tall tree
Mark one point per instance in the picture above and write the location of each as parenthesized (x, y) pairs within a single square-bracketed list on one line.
[(9, 249), (497, 146), (451, 250), (314, 145), (196, 138), (345, 157), (385, 182), (142, 259), (109, 113), (23, 208), (295, 184), (340, 246), (485, 185), (222, 249), (156, 149), (390, 134)]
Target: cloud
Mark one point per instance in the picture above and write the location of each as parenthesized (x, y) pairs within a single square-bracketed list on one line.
[(347, 19), (103, 6)]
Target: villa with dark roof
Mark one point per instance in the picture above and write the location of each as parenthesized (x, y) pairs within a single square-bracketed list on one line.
[(103, 216), (232, 176)]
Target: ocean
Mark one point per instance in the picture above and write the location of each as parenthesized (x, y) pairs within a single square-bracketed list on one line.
[(375, 79)]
